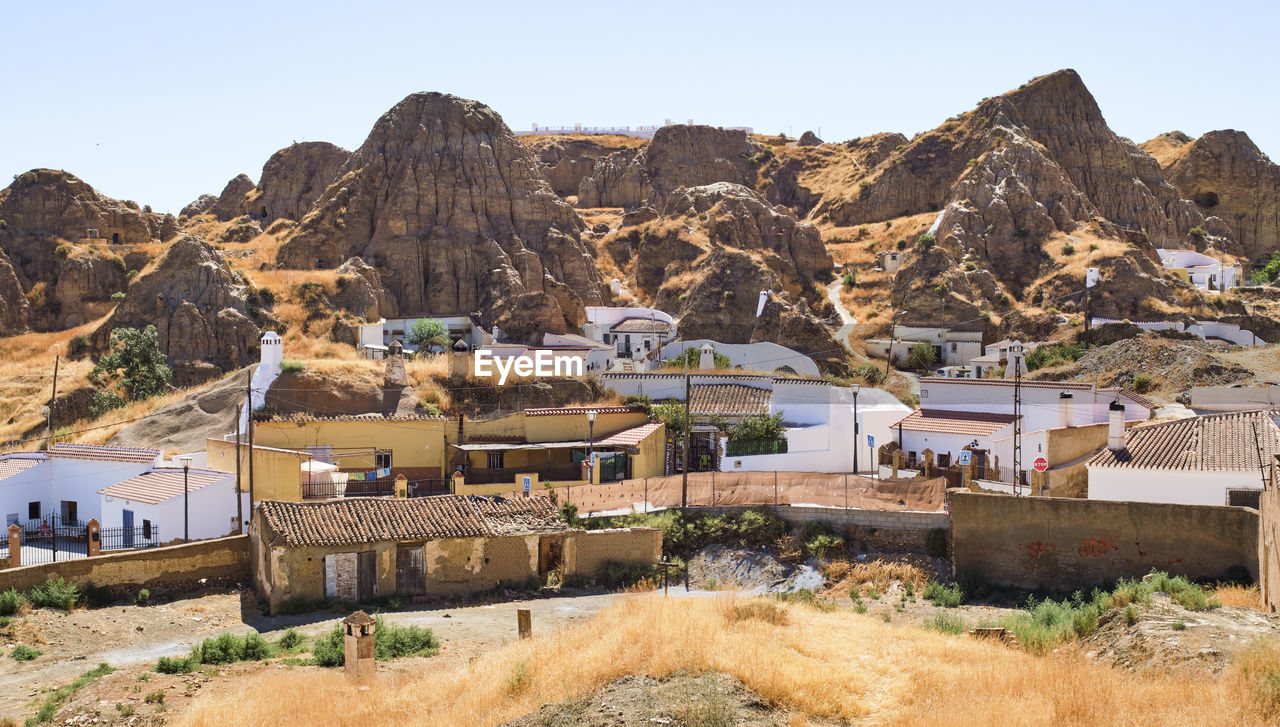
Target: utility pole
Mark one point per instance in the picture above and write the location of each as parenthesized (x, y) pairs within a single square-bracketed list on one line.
[(856, 429), (684, 474), (1016, 353), (239, 504), (48, 423), (248, 390)]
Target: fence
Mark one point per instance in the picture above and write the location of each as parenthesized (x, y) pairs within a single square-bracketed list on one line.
[(377, 488), (53, 539), (725, 489), (747, 447)]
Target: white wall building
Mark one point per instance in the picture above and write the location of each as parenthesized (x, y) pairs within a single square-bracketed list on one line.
[(891, 260), (952, 347), (633, 332), (154, 501), (1204, 329), (760, 356), (64, 482), (1205, 460), (821, 434), (1203, 271)]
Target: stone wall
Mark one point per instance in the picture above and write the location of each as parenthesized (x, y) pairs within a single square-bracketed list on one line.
[(586, 551), (1063, 544), (173, 565)]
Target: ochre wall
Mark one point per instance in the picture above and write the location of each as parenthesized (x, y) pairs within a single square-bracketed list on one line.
[(413, 443), (586, 551), (277, 473), (1064, 544), (170, 565)]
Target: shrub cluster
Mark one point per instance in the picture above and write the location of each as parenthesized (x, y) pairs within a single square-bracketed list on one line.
[(389, 642)]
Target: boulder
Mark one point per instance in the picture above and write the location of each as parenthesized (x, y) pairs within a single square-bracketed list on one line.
[(360, 292), (809, 138), (15, 310), (198, 305), (230, 203), (455, 215), (616, 180), (202, 204)]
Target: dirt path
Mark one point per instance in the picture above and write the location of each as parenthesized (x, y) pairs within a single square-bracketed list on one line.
[(847, 321)]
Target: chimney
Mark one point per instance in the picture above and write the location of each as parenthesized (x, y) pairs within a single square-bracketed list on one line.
[(1014, 365), (1115, 433), (1066, 410), (707, 358)]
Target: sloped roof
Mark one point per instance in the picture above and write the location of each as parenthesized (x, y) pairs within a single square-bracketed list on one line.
[(1217, 442), (11, 466), (103, 453), (944, 421), (728, 400), (630, 437), (357, 520), (641, 325), (554, 411), (1130, 394), (162, 484)]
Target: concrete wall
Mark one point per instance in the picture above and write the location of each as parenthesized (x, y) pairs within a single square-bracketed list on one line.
[(277, 473), (1234, 398), (759, 356), (1184, 487), (1062, 544), (58, 479), (167, 566)]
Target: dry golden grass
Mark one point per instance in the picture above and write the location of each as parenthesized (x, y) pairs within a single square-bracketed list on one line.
[(876, 575), (826, 665), (1238, 595)]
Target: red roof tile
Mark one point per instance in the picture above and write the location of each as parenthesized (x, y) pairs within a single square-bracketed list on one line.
[(162, 484), (630, 437), (11, 466), (728, 400), (581, 410), (103, 453), (1215, 442), (376, 519), (967, 423)]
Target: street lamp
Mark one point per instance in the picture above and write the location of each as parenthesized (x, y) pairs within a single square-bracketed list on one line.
[(591, 445), (186, 511), (856, 428)]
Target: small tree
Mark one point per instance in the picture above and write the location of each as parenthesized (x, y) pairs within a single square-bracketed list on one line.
[(693, 357), (427, 333), (134, 368), (922, 357), (850, 279), (758, 427), (670, 413)]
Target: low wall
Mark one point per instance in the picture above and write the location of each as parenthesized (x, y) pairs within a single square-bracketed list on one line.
[(1064, 544), (888, 529), (586, 551), (168, 566)]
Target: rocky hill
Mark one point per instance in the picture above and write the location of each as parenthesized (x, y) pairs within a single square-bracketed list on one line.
[(457, 217), (1227, 176), (67, 249)]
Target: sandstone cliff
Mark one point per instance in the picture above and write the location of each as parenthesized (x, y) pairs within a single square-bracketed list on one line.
[(1226, 176), (567, 160), (59, 236), (198, 304), (230, 204), (457, 217), (293, 179)]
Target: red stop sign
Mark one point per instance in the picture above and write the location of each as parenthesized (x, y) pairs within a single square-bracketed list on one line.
[(1041, 464)]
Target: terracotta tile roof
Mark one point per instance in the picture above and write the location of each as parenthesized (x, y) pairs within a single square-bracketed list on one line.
[(355, 418), (162, 483), (641, 325), (728, 400), (11, 466), (358, 520), (580, 410), (103, 453), (630, 437), (942, 421), (1215, 442), (1064, 385)]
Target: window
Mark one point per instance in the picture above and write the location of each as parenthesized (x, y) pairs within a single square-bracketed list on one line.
[(382, 460), (628, 343), (1244, 498), (33, 510), (647, 343), (953, 347), (69, 511), (495, 460)]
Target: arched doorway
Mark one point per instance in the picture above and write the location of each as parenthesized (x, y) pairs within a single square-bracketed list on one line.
[(115, 238)]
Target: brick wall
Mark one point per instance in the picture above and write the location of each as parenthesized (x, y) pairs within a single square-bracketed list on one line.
[(586, 551), (172, 565), (1062, 544)]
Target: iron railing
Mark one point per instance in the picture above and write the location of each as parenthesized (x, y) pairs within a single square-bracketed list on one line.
[(748, 447)]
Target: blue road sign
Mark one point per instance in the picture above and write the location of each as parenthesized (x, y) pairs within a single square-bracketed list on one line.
[(871, 441), (528, 482), (964, 457)]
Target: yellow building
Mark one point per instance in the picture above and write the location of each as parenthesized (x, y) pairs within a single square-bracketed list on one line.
[(306, 457)]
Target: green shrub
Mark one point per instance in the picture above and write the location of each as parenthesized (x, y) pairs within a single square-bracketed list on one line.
[(870, 374), (62, 250), (11, 601), (1198, 233), (859, 605), (54, 593), (1068, 248), (947, 623), (926, 241), (117, 296), (849, 279), (156, 697), (329, 650), (823, 545), (290, 640), (177, 664), (22, 652), (1142, 383), (143, 597), (389, 642), (292, 367), (1178, 625), (1048, 356), (221, 649), (946, 596), (922, 357), (1130, 615), (257, 648)]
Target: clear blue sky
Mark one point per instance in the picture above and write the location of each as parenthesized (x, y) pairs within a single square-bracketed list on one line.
[(159, 102)]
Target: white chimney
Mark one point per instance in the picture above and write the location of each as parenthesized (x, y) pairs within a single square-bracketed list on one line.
[(272, 351), (764, 298), (1014, 363), (616, 285), (1066, 410), (1115, 432), (708, 358)]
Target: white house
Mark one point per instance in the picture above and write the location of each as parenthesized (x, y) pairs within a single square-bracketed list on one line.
[(64, 482), (759, 356), (1059, 421), (1203, 271), (995, 357), (1204, 329), (1218, 459), (821, 434), (632, 331), (596, 354), (154, 501), (891, 260), (952, 346)]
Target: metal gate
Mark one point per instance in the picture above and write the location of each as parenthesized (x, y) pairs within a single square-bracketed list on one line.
[(52, 539), (410, 575)]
